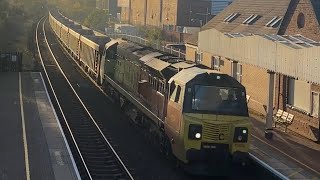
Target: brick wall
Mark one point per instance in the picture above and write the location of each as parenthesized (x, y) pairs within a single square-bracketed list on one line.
[(153, 13), (169, 12), (206, 59), (174, 12), (256, 81), (191, 53), (303, 124), (138, 11), (124, 15), (311, 24)]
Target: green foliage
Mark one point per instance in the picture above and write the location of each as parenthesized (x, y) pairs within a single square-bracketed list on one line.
[(97, 19), (77, 10), (153, 35), (3, 11)]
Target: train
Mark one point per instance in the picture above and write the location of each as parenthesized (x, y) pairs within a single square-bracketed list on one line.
[(195, 115)]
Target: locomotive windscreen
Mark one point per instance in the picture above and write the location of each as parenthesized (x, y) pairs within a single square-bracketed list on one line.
[(219, 100)]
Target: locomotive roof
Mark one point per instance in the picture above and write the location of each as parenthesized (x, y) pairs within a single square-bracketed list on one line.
[(183, 65), (142, 52), (205, 77), (186, 75), (149, 56), (129, 46), (157, 64)]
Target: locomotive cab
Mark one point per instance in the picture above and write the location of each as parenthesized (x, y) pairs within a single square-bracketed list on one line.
[(207, 117)]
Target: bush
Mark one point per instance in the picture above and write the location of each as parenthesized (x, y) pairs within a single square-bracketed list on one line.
[(154, 35), (97, 19)]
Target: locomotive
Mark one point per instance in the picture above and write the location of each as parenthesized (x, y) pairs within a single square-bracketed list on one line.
[(196, 115)]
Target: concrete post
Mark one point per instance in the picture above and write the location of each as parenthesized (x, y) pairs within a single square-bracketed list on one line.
[(269, 120)]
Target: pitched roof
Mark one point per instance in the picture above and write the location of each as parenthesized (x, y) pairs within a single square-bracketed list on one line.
[(316, 7), (265, 9)]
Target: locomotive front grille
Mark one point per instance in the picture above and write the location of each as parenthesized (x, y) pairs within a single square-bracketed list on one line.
[(215, 132)]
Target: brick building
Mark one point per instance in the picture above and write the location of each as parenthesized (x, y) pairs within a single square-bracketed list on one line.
[(168, 13), (282, 17), (110, 5)]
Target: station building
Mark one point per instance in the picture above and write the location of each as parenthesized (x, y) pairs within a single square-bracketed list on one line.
[(271, 47)]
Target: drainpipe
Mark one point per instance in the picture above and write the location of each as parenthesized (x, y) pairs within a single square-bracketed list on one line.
[(318, 140), (279, 83)]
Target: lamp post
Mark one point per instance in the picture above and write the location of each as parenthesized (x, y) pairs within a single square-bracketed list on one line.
[(190, 17)]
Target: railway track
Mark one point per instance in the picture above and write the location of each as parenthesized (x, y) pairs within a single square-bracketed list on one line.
[(94, 155), (90, 96)]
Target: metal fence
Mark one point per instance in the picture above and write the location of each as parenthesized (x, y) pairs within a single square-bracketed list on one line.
[(142, 41), (10, 61)]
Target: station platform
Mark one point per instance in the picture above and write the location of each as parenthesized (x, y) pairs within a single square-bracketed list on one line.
[(33, 145), (290, 155)]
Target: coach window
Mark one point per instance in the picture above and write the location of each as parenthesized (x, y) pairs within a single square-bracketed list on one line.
[(299, 95)]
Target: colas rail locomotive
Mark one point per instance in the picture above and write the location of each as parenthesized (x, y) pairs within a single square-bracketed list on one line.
[(197, 115)]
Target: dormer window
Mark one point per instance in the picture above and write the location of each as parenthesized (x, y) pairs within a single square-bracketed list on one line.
[(231, 17), (251, 19), (274, 22)]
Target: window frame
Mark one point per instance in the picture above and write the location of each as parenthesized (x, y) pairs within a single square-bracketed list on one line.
[(311, 104), (215, 63), (239, 72), (199, 57)]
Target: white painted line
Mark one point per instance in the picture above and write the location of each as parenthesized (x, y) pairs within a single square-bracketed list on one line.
[(54, 94), (63, 135), (269, 168), (24, 134)]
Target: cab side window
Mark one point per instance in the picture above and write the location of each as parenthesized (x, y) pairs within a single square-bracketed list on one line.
[(176, 99), (175, 96)]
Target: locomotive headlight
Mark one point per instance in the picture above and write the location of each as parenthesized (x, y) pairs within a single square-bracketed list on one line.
[(244, 131), (198, 135), (240, 134), (195, 131)]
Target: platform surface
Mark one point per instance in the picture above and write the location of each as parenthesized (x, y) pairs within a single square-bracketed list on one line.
[(293, 156), (32, 143)]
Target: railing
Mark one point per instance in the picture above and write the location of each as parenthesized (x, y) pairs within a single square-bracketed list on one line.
[(145, 42), (10, 61)]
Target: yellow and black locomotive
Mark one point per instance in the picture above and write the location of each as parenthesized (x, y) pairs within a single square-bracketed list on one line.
[(197, 115)]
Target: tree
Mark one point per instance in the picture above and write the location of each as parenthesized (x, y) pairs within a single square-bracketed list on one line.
[(154, 35), (97, 19)]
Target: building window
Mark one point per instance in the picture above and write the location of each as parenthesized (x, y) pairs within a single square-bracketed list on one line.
[(239, 72), (301, 20), (251, 19), (299, 93), (315, 104), (199, 58), (215, 63), (231, 17), (274, 22)]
